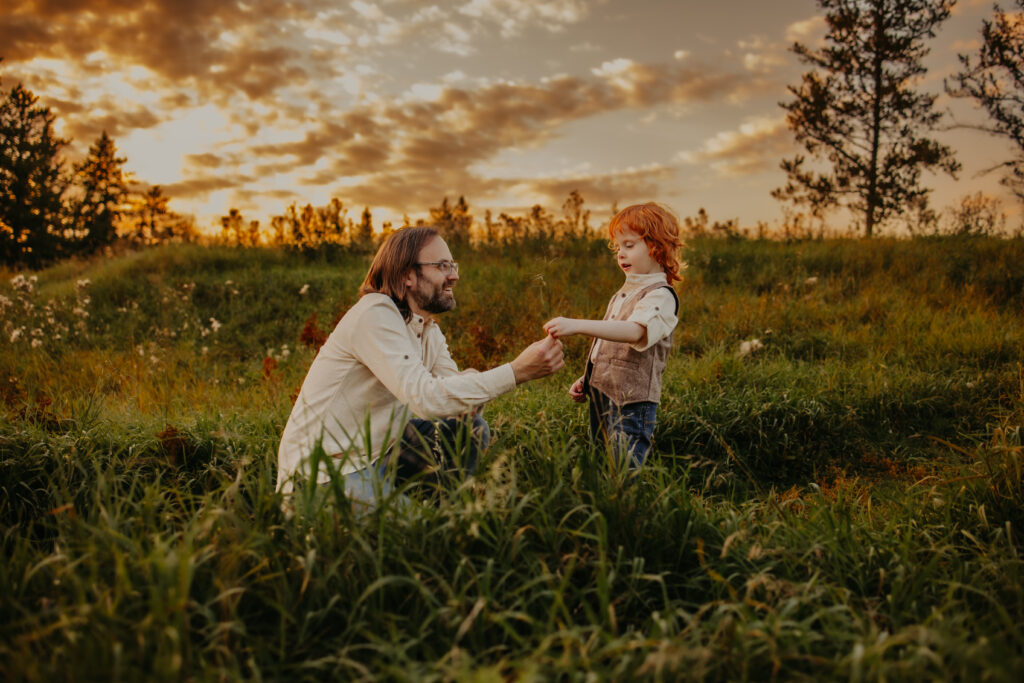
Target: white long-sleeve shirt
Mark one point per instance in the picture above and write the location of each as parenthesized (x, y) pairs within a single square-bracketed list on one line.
[(374, 371), (656, 311)]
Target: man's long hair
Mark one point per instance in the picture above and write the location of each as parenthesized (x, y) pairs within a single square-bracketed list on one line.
[(394, 259)]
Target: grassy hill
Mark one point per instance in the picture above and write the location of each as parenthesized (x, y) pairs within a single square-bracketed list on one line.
[(843, 502)]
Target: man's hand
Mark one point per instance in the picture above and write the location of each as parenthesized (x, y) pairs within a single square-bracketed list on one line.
[(539, 359), (561, 327), (576, 391)]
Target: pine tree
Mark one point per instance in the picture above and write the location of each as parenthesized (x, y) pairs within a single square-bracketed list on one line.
[(33, 181), (857, 111), (364, 231), (104, 188), (994, 78), (152, 216)]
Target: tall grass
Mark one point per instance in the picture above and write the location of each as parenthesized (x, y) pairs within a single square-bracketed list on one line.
[(845, 503)]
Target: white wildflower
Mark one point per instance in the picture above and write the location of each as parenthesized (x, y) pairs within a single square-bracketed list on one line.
[(748, 347), (36, 343), (205, 350), (214, 324), (811, 281), (305, 288), (153, 360), (228, 283), (24, 284), (16, 334), (82, 284)]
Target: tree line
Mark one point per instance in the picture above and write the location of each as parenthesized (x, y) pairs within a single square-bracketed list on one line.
[(312, 227), (49, 210), (865, 127)]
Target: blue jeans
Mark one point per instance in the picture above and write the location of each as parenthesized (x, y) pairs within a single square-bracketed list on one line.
[(434, 451), (626, 429), (430, 452)]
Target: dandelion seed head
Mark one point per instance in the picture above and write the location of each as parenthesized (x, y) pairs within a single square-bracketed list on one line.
[(24, 284), (748, 347)]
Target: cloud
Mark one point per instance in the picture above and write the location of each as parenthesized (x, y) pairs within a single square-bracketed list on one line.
[(216, 50), (513, 16), (599, 189), (411, 152), (755, 147), (807, 30), (205, 160), (203, 185)]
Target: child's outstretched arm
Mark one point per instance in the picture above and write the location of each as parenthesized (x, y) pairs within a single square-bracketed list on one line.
[(625, 331)]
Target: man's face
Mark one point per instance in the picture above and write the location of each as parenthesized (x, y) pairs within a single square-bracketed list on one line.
[(430, 289)]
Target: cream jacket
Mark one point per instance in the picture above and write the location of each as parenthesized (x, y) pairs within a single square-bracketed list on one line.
[(374, 372)]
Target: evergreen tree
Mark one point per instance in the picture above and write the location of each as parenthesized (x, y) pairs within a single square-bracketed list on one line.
[(364, 231), (332, 217), (453, 222), (104, 188), (236, 232), (858, 113), (577, 220), (152, 217), (994, 78), (33, 181)]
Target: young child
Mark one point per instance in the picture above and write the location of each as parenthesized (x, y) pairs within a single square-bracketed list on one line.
[(632, 342)]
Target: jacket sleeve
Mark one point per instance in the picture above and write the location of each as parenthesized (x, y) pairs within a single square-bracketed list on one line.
[(383, 346), (444, 365)]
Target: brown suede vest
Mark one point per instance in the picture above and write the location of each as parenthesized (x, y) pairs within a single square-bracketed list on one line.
[(622, 373)]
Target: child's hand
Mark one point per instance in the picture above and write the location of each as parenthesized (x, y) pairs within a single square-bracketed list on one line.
[(560, 327), (576, 391)]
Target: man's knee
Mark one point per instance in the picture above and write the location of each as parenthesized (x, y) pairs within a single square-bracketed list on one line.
[(481, 431)]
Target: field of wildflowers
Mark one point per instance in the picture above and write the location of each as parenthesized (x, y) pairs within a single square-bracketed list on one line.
[(836, 494)]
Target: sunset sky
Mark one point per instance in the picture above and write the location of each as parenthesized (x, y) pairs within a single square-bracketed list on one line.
[(394, 104)]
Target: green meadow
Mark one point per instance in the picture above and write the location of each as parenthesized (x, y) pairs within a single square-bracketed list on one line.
[(836, 492)]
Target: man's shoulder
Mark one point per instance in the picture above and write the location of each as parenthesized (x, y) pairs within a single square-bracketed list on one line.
[(376, 299), (371, 309)]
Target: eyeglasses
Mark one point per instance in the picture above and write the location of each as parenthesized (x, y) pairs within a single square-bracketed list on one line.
[(446, 267)]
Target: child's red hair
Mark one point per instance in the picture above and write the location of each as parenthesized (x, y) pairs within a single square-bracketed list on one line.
[(659, 229)]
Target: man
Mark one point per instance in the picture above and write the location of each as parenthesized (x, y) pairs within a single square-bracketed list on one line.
[(384, 382)]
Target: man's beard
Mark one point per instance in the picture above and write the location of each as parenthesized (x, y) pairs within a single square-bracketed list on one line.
[(436, 301)]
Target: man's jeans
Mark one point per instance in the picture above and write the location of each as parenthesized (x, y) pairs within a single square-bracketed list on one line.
[(624, 429), (430, 453)]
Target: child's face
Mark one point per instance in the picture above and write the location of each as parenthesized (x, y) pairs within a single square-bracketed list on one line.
[(633, 255)]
